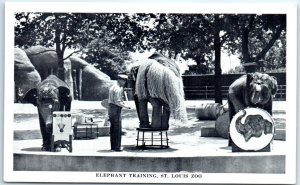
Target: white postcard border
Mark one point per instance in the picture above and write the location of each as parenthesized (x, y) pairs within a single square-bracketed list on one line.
[(28, 176)]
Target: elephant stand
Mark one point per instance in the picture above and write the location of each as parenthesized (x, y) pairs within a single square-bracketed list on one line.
[(62, 130), (62, 143), (158, 130)]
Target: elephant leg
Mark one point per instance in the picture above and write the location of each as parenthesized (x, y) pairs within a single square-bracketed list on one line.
[(156, 112), (143, 113), (231, 114), (46, 131), (165, 116), (136, 102)]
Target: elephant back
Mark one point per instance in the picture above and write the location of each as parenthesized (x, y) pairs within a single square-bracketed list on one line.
[(166, 62), (54, 80)]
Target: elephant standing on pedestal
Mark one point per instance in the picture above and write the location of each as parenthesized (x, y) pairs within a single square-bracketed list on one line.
[(52, 94), (158, 81)]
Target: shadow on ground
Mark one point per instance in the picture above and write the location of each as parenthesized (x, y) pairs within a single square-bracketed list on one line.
[(32, 149), (132, 148)]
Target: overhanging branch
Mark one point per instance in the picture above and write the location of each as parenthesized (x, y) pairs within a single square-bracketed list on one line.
[(71, 54), (270, 44), (48, 50)]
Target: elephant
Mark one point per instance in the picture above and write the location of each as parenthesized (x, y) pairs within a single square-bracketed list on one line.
[(52, 94), (157, 80), (251, 90)]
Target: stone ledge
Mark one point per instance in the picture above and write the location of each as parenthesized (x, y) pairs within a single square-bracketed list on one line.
[(206, 164)]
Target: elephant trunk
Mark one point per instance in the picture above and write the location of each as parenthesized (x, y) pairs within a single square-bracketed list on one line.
[(46, 109)]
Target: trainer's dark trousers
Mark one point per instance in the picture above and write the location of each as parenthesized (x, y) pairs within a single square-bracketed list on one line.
[(115, 126)]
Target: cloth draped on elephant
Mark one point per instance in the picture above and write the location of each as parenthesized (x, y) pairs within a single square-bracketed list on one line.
[(159, 77)]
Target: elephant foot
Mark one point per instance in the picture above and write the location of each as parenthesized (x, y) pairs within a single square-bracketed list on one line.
[(46, 148), (145, 125), (161, 128), (165, 128)]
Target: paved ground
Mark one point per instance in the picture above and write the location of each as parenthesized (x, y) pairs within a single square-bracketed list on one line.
[(185, 140)]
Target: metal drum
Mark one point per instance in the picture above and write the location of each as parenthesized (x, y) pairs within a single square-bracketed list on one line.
[(252, 129), (209, 111)]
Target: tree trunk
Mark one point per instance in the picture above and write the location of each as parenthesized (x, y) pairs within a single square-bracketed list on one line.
[(60, 55), (218, 70), (245, 40), (79, 73), (68, 77), (75, 84), (61, 70)]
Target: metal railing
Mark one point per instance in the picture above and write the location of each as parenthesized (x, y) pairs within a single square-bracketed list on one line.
[(208, 92)]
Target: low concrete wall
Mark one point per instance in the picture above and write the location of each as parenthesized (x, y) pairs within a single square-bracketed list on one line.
[(205, 164)]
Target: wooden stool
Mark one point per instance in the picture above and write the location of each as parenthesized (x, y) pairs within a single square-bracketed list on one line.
[(163, 141)]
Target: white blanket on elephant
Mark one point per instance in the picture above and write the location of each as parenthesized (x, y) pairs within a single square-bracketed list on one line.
[(164, 84)]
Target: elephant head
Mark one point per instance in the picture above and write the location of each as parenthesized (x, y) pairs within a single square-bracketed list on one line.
[(262, 87), (52, 94)]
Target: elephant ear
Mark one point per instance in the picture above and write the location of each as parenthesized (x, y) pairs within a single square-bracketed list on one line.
[(30, 97), (273, 84), (64, 97)]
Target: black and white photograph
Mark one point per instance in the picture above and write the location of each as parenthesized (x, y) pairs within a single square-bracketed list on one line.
[(150, 93)]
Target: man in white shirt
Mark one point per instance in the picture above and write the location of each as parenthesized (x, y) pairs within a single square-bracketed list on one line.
[(116, 103)]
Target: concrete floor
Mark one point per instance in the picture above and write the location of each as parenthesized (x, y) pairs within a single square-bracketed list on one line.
[(188, 152)]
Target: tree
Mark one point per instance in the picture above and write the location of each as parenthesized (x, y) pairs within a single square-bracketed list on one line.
[(58, 30), (106, 58), (109, 37), (256, 35)]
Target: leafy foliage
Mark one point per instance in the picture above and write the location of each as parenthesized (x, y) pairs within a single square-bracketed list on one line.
[(105, 58), (105, 39), (256, 37)]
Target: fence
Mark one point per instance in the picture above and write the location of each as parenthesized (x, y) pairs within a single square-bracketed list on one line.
[(202, 86), (208, 92)]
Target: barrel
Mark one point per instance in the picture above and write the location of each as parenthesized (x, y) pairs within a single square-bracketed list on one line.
[(222, 125), (209, 111)]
